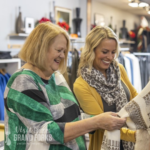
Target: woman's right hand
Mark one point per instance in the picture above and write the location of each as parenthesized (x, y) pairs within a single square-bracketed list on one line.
[(109, 121)]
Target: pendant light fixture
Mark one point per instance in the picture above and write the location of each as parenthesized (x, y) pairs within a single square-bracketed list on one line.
[(143, 4), (139, 3), (133, 3), (148, 10)]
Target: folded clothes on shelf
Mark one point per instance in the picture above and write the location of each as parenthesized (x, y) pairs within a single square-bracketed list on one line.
[(5, 55)]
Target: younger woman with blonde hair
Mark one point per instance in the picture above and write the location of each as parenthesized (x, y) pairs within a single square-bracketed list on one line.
[(103, 84)]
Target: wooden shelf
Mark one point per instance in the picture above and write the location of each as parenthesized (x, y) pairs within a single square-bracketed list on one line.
[(14, 35), (19, 35), (121, 41), (10, 60)]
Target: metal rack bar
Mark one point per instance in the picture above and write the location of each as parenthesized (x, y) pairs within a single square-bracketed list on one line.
[(142, 54)]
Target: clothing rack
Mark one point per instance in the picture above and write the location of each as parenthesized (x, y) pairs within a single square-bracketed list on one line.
[(124, 49), (78, 41), (143, 64), (142, 54)]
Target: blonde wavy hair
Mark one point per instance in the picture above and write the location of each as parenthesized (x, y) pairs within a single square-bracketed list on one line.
[(93, 39), (37, 44)]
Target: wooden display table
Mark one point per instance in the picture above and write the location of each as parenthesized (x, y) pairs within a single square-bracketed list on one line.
[(1, 132)]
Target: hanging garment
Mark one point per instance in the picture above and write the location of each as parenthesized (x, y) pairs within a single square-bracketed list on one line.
[(121, 59), (144, 62), (131, 69), (1, 103), (144, 43), (148, 67), (136, 72), (137, 112), (72, 66), (3, 81), (148, 48), (128, 67), (2, 87)]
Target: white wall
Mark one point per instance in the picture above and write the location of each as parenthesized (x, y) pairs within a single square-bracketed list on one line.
[(83, 15), (35, 9), (117, 14)]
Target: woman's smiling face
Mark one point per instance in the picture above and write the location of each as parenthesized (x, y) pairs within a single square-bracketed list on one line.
[(56, 53), (104, 54)]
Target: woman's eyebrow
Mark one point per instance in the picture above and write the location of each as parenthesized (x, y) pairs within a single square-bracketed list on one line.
[(109, 50)]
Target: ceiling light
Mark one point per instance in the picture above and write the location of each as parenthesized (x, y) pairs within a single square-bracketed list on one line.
[(133, 4), (143, 4), (149, 12)]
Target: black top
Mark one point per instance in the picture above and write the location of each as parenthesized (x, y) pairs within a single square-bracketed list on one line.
[(113, 107), (45, 81)]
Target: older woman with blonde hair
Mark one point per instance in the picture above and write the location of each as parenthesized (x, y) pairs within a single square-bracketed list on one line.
[(103, 84), (41, 111)]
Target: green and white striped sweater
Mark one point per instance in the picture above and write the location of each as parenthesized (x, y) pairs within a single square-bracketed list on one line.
[(36, 113)]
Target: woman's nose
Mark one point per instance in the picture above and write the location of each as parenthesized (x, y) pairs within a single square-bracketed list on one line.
[(62, 55), (110, 56)]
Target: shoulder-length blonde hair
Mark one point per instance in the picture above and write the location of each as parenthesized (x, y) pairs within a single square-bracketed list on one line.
[(93, 39), (36, 46)]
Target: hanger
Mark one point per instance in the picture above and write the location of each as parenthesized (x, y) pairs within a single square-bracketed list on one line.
[(125, 52), (2, 71)]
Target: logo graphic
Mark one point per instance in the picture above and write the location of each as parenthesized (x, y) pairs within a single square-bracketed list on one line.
[(7, 132)]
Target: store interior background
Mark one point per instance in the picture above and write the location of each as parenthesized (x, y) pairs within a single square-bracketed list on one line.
[(37, 9), (118, 9)]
